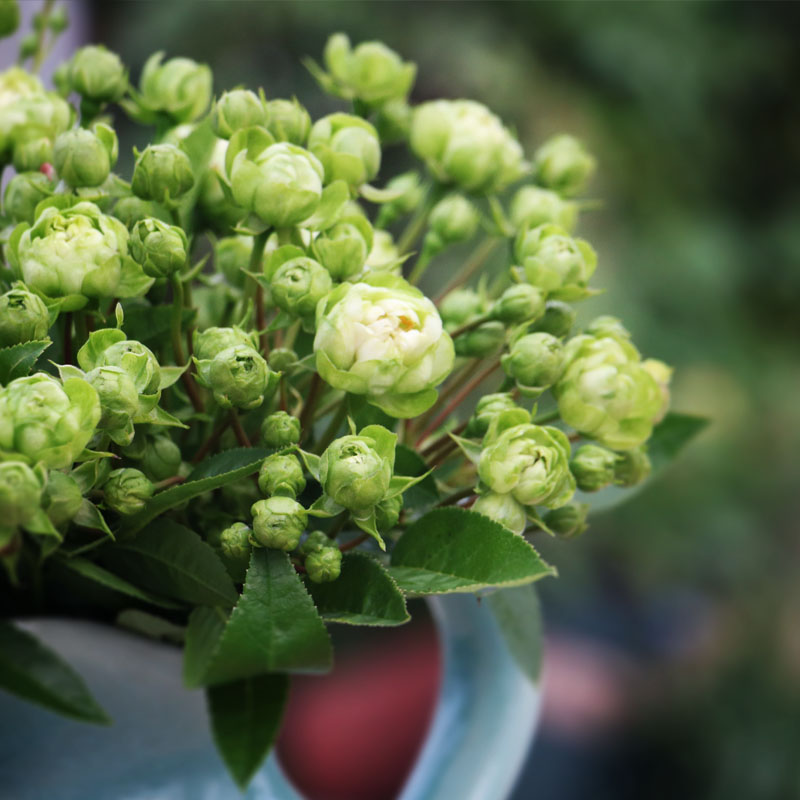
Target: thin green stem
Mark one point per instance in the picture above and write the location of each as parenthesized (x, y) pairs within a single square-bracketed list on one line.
[(470, 267), (415, 227), (41, 52), (547, 416), (177, 319), (256, 256), (420, 266), (67, 337)]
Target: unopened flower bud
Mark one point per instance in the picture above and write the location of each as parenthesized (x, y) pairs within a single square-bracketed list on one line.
[(488, 407), (298, 285), (568, 521), (280, 430), (232, 257), (278, 522), (83, 158), (519, 303), (159, 248), (502, 508), (411, 196), (288, 121), (162, 173), (30, 154), (387, 513), (119, 401), (281, 358), (179, 88), (662, 374), (239, 108), (460, 306), (23, 193), (23, 316), (563, 165), (161, 458), (127, 490), (534, 362), (281, 475), (9, 17), (234, 542), (238, 376), (62, 498), (393, 121), (20, 494), (325, 565), (314, 542), (348, 148), (632, 467), (130, 210), (98, 74), (593, 467), (481, 341), (453, 219), (608, 326), (533, 206), (212, 341), (558, 319), (343, 248)]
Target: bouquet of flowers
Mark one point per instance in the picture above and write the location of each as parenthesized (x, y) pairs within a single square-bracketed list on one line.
[(227, 409)]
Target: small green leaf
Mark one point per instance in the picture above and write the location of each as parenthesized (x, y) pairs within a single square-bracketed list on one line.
[(472, 450), (202, 637), (245, 719), (89, 516), (172, 561), (94, 572), (157, 416), (151, 626), (455, 550), (519, 617), (32, 671), (18, 360), (364, 594)]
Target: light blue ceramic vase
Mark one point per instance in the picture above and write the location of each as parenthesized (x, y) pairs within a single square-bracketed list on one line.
[(159, 747)]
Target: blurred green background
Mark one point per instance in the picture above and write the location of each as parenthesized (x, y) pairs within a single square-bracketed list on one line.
[(690, 108)]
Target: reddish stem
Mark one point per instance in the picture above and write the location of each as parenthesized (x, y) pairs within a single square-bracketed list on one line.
[(241, 436), (354, 542), (211, 442)]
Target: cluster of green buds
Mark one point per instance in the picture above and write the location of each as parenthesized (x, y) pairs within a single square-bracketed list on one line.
[(322, 558)]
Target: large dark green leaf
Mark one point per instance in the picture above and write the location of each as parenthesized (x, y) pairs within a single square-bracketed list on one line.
[(17, 361), (245, 718), (455, 550), (216, 471), (150, 324), (172, 561), (32, 671), (274, 628), (423, 495), (519, 617), (364, 594)]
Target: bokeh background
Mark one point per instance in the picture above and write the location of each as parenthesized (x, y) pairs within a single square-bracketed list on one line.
[(673, 657)]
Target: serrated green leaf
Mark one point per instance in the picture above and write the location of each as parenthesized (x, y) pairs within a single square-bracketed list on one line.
[(245, 719), (274, 628), (32, 671), (18, 360), (455, 550), (364, 594), (223, 468), (519, 618), (172, 561), (94, 572)]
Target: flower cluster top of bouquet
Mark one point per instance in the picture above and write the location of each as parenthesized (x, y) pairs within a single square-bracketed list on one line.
[(226, 406)]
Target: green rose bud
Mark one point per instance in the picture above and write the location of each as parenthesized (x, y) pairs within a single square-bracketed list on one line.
[(519, 303), (15, 85), (348, 148), (237, 109), (298, 285), (281, 184), (30, 154), (232, 257), (343, 248), (411, 196), (314, 542), (20, 494), (109, 347), (119, 401), (9, 17), (83, 157), (42, 419), (219, 212), (632, 467), (355, 471), (384, 255), (371, 73), (606, 393), (281, 475), (159, 248), (534, 362), (533, 206), (238, 376), (234, 542), (288, 121), (562, 164), (179, 88), (568, 521), (62, 498), (462, 142), (459, 307), (393, 121), (61, 79), (127, 490), (481, 341), (557, 320), (555, 262), (384, 339), (58, 20), (531, 463), (502, 508), (98, 74), (30, 122), (212, 341), (23, 193), (387, 513), (608, 326), (453, 219), (280, 430), (593, 467), (162, 173), (161, 458), (662, 374), (130, 210), (23, 316), (278, 522), (281, 358), (488, 407), (324, 566)]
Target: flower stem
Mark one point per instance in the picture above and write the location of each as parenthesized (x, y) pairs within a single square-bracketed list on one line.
[(212, 440), (68, 337), (353, 542), (470, 326), (41, 51), (177, 343), (307, 414), (455, 497), (547, 416), (470, 267), (241, 436), (333, 427), (256, 256), (443, 440)]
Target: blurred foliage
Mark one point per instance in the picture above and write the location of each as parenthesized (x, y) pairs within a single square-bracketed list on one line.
[(691, 110)]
